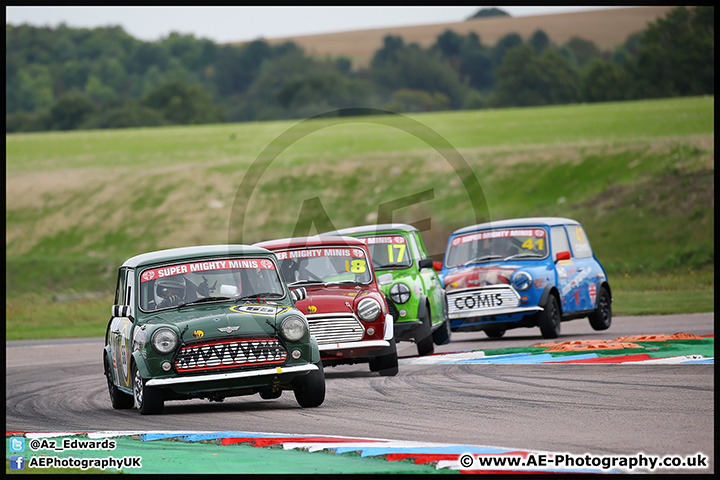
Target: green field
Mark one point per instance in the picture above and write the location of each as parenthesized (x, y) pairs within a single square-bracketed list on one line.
[(638, 175)]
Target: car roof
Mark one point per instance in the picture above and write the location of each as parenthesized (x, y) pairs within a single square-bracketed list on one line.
[(383, 227), (518, 222), (313, 241), (190, 253)]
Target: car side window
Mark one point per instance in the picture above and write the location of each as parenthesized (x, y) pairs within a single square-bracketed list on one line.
[(578, 240), (120, 288), (559, 240), (129, 287), (417, 253)]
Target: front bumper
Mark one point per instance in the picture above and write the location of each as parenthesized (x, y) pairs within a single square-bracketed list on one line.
[(370, 344), (220, 377)]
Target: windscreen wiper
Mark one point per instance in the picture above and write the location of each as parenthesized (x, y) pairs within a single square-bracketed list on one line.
[(259, 296), (482, 259), (304, 282), (524, 254), (203, 300)]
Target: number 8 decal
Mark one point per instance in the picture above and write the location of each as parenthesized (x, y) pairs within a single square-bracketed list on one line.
[(356, 266)]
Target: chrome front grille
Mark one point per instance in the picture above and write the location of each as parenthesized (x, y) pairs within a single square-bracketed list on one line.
[(231, 353), (335, 328)]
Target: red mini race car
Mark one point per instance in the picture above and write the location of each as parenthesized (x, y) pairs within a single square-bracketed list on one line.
[(346, 311)]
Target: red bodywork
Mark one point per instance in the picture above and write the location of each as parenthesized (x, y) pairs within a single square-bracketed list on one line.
[(323, 302)]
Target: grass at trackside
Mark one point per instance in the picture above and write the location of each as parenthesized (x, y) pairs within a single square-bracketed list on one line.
[(638, 175)]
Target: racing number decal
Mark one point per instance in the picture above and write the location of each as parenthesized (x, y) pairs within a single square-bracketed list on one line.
[(125, 352), (529, 243), (356, 266), (401, 252), (579, 235), (121, 344)]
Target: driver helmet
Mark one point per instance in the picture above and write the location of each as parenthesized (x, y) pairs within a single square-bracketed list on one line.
[(167, 287)]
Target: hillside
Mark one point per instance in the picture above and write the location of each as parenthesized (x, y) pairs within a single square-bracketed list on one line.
[(607, 28), (638, 175)]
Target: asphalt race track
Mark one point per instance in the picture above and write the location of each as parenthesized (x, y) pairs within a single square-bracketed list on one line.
[(58, 385)]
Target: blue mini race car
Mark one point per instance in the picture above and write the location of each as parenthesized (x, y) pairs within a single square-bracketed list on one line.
[(525, 272)]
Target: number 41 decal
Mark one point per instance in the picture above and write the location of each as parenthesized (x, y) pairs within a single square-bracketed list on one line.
[(529, 243)]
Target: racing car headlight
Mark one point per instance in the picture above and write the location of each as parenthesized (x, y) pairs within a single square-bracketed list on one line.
[(522, 281), (400, 293), (368, 309), (164, 340), (293, 328)]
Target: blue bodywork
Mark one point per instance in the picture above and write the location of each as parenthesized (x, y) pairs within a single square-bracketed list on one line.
[(498, 291)]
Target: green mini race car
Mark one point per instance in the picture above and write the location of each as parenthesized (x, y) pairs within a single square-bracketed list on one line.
[(407, 277), (208, 322)]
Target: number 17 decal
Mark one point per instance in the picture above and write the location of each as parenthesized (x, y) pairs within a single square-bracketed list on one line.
[(401, 248)]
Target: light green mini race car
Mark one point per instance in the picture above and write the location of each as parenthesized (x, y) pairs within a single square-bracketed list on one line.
[(409, 281)]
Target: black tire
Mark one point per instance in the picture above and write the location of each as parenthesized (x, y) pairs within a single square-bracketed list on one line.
[(441, 335), (148, 400), (386, 364), (270, 394), (601, 318), (119, 400), (423, 336), (549, 319), (310, 389), (494, 333)]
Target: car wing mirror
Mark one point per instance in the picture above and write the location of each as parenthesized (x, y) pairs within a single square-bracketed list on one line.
[(437, 266), (385, 279), (425, 263), (298, 294), (119, 311), (562, 256)]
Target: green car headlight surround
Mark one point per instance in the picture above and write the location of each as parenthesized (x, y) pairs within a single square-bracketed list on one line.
[(400, 293), (293, 328), (164, 340)]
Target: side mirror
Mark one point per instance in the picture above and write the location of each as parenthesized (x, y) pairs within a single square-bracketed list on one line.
[(298, 294), (562, 256), (425, 263), (119, 311), (385, 279), (437, 266)]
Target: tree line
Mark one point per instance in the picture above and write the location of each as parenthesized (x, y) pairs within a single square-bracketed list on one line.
[(68, 78)]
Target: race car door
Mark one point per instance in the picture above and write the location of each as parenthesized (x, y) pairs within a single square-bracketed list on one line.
[(121, 326)]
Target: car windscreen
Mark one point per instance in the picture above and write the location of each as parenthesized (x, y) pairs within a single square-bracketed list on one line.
[(497, 245), (327, 264), (388, 251), (174, 284)]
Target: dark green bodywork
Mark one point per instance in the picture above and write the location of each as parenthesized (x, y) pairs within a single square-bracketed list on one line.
[(200, 324)]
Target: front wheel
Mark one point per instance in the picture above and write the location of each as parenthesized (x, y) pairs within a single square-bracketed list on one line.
[(441, 336), (601, 318), (310, 389), (387, 363), (549, 319), (423, 336), (494, 333), (148, 400)]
